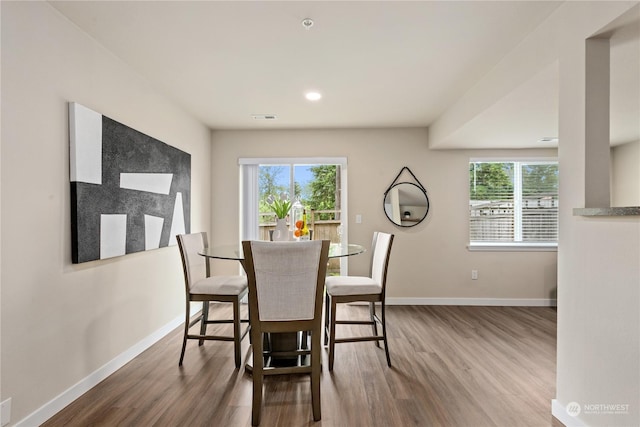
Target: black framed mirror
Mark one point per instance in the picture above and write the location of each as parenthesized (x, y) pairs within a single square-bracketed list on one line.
[(406, 204)]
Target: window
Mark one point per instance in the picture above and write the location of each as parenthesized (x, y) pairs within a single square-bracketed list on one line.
[(318, 183), (513, 203), (315, 186)]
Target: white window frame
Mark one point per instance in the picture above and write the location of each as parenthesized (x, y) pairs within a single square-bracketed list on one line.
[(249, 190), (516, 245)]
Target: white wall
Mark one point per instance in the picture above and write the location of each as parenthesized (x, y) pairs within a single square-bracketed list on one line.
[(61, 322), (625, 174), (598, 260), (429, 261)]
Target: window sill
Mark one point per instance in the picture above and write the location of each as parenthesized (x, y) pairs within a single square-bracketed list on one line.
[(513, 247)]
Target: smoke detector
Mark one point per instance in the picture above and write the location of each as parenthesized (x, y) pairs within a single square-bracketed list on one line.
[(553, 139), (307, 23), (264, 116)]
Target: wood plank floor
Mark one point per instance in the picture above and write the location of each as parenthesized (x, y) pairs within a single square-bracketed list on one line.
[(452, 366)]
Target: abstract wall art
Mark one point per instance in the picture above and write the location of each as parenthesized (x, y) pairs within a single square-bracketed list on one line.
[(129, 191)]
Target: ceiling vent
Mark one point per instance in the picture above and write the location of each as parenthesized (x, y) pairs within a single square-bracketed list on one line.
[(264, 116)]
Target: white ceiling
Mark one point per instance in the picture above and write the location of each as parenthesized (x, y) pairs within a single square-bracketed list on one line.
[(377, 64)]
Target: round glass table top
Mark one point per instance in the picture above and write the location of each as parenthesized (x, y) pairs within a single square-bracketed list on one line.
[(234, 252)]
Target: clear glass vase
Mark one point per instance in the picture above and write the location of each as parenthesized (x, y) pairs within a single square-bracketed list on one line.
[(281, 233)]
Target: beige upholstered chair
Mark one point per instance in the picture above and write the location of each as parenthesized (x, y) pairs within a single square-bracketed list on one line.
[(345, 289), (201, 286), (286, 281)]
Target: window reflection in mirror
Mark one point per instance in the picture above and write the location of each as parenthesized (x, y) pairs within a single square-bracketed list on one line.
[(406, 204)]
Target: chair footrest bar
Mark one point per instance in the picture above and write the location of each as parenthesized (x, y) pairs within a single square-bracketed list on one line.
[(210, 337), (267, 370), (354, 322), (358, 339), (194, 321), (295, 353), (222, 321)]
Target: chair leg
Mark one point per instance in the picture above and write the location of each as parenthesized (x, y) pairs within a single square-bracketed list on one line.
[(186, 332), (257, 377), (237, 333), (326, 319), (332, 333), (384, 335), (315, 375), (374, 325), (203, 320)]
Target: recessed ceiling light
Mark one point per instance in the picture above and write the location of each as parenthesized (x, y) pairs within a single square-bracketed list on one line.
[(313, 96)]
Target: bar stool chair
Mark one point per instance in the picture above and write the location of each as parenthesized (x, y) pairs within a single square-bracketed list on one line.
[(201, 286), (371, 289), (286, 281)]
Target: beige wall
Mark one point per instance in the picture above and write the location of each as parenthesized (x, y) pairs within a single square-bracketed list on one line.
[(430, 260), (61, 322), (625, 174), (598, 258)]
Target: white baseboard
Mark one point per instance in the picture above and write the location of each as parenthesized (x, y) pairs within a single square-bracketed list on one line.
[(513, 302), (560, 413), (58, 403), (5, 412)]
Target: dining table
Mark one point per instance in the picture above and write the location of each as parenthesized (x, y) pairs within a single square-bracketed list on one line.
[(234, 251), (280, 342)]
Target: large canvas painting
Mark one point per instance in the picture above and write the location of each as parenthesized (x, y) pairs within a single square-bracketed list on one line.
[(129, 191)]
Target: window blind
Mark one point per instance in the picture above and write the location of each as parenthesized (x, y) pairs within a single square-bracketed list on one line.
[(513, 202)]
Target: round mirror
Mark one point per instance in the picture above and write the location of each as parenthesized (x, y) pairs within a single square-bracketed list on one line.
[(406, 204)]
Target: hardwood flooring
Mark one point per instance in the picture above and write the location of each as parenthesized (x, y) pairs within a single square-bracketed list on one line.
[(452, 366)]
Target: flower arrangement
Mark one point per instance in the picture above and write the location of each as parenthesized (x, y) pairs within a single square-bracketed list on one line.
[(280, 206)]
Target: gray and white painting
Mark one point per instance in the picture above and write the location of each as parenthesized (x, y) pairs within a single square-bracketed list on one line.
[(129, 191)]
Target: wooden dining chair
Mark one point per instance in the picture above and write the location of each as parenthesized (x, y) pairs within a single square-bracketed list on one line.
[(286, 281), (200, 285), (371, 289)]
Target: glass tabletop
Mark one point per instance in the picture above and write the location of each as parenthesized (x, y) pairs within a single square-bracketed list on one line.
[(234, 252)]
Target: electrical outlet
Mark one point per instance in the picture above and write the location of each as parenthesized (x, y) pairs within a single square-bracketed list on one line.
[(474, 274), (5, 412), (358, 219)]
